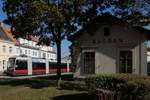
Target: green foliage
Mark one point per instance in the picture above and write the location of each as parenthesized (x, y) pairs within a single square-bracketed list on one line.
[(39, 17), (131, 87), (53, 21), (74, 85), (37, 89)]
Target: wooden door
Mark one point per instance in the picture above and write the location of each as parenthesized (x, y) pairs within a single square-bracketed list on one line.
[(89, 62)]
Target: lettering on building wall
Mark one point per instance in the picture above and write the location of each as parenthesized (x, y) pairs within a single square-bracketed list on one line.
[(109, 40)]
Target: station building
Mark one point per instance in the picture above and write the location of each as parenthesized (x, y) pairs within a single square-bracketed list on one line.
[(109, 45)]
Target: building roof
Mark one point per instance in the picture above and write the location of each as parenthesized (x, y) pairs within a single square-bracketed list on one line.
[(3, 36), (34, 38), (8, 35), (104, 19)]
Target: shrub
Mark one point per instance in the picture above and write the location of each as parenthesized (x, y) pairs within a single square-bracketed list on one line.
[(74, 85), (131, 87)]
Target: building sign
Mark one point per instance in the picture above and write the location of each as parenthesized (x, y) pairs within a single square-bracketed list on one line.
[(109, 40)]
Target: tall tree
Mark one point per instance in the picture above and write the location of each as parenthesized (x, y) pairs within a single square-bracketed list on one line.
[(50, 20), (53, 20)]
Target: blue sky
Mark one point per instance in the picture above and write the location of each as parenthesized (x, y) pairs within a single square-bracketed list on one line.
[(2, 14), (65, 44)]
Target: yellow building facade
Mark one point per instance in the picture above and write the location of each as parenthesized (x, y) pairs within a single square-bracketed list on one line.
[(6, 50)]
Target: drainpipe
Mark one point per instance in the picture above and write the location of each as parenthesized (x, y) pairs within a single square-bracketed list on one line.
[(140, 56)]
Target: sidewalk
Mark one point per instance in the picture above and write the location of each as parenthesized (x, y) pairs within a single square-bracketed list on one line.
[(26, 77)]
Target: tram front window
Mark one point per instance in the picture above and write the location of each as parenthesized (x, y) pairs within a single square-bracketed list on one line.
[(11, 62), (21, 65)]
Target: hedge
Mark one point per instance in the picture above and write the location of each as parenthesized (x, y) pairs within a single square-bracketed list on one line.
[(74, 85), (131, 87)]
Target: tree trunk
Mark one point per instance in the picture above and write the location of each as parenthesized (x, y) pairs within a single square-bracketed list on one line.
[(58, 44)]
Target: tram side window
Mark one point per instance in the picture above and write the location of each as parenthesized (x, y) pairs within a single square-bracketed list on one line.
[(51, 64), (20, 65), (63, 65), (55, 64), (37, 65)]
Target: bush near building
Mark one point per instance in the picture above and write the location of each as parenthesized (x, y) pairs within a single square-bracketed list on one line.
[(123, 86)]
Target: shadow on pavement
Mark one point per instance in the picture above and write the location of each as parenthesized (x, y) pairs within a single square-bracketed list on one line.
[(36, 83), (32, 83), (82, 96)]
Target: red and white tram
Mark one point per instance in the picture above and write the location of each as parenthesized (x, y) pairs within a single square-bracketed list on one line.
[(23, 65)]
